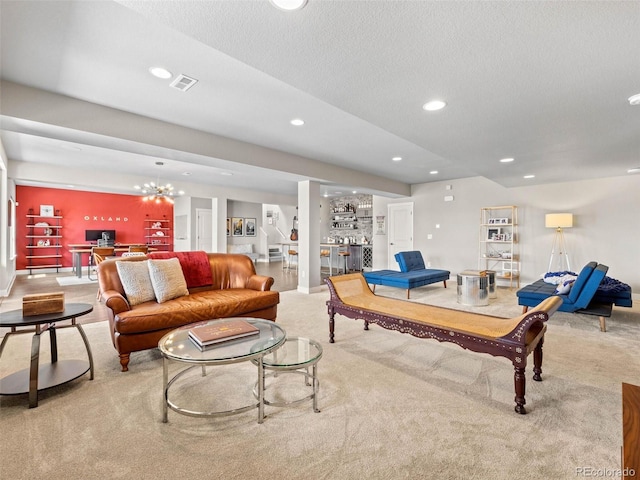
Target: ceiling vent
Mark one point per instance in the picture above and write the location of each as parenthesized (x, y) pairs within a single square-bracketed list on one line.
[(183, 83)]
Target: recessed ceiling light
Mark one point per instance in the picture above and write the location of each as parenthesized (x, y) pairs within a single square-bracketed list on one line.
[(634, 99), (226, 174), (433, 172), (529, 176), (396, 159), (297, 122), (634, 170), (160, 72), (354, 192), (186, 173), (289, 5), (506, 160), (338, 193), (434, 105)]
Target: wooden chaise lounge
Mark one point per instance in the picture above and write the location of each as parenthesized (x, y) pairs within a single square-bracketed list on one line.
[(512, 338)]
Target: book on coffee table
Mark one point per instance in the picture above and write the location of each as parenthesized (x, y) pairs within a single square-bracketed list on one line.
[(208, 335)]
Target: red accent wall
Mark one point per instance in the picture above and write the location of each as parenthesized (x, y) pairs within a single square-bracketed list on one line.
[(86, 211)]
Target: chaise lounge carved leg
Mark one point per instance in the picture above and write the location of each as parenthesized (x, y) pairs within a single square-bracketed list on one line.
[(124, 361), (537, 361), (366, 325), (520, 384), (332, 324)]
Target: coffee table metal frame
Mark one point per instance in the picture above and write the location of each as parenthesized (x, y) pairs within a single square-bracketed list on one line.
[(279, 363), (176, 346), (41, 377)]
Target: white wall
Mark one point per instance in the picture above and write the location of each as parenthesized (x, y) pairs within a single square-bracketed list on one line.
[(606, 224), (7, 191)]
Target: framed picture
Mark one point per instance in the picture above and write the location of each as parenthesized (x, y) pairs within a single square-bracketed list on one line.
[(250, 227), (228, 227), (492, 233), (46, 210), (237, 227)]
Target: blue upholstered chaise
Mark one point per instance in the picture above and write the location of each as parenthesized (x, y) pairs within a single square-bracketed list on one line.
[(412, 273), (592, 293)]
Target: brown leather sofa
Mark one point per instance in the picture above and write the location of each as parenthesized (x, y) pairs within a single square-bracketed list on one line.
[(236, 291)]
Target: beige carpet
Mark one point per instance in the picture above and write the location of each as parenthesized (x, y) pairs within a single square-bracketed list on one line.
[(392, 406)]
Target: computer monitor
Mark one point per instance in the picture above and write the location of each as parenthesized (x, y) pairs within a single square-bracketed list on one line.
[(95, 235)]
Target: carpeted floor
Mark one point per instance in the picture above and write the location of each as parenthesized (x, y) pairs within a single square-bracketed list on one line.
[(392, 406)]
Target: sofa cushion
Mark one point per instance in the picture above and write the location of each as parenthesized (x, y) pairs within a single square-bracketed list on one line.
[(410, 261), (167, 279), (196, 307), (136, 282), (581, 281)]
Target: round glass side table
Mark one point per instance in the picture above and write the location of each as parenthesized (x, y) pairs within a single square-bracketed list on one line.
[(298, 355)]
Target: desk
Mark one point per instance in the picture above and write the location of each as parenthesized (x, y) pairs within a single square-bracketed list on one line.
[(81, 249)]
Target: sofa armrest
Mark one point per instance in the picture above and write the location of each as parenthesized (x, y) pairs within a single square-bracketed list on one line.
[(115, 301), (261, 283)]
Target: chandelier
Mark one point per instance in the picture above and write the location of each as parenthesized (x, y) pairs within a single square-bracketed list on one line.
[(155, 192)]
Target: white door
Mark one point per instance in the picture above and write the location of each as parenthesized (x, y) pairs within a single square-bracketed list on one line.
[(400, 231), (204, 238)]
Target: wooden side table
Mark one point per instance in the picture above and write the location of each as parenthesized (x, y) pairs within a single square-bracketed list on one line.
[(40, 377)]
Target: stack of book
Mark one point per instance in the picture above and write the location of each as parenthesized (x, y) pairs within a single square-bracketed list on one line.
[(204, 336)]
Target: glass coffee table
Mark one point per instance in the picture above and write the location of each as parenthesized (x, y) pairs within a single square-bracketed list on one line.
[(176, 346)]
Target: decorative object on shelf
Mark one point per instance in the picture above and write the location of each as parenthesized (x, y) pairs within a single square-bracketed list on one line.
[(46, 210), (155, 191), (228, 227), (559, 221)]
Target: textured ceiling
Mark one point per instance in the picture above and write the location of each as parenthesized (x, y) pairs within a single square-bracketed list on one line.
[(544, 82)]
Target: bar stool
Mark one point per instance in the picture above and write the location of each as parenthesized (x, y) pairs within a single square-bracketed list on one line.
[(293, 254), (325, 254), (345, 254)]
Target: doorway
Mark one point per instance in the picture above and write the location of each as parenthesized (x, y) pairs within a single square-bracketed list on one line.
[(204, 235), (400, 231)]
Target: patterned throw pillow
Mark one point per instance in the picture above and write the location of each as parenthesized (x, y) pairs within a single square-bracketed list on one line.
[(136, 282), (167, 279)]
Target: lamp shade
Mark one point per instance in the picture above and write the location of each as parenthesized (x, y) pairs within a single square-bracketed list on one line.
[(558, 220)]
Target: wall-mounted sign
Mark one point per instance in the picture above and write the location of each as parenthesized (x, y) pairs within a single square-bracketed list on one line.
[(380, 225)]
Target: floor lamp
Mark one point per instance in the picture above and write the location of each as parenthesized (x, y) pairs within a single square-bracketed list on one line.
[(559, 221)]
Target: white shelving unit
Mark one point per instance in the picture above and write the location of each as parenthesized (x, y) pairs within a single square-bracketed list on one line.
[(157, 234), (498, 243), (44, 242)]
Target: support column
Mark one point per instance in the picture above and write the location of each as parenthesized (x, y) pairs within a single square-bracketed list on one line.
[(308, 237)]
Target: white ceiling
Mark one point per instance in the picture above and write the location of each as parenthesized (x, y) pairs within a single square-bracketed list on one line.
[(544, 82)]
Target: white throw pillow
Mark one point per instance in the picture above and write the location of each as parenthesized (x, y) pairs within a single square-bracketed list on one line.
[(136, 282), (167, 279)]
